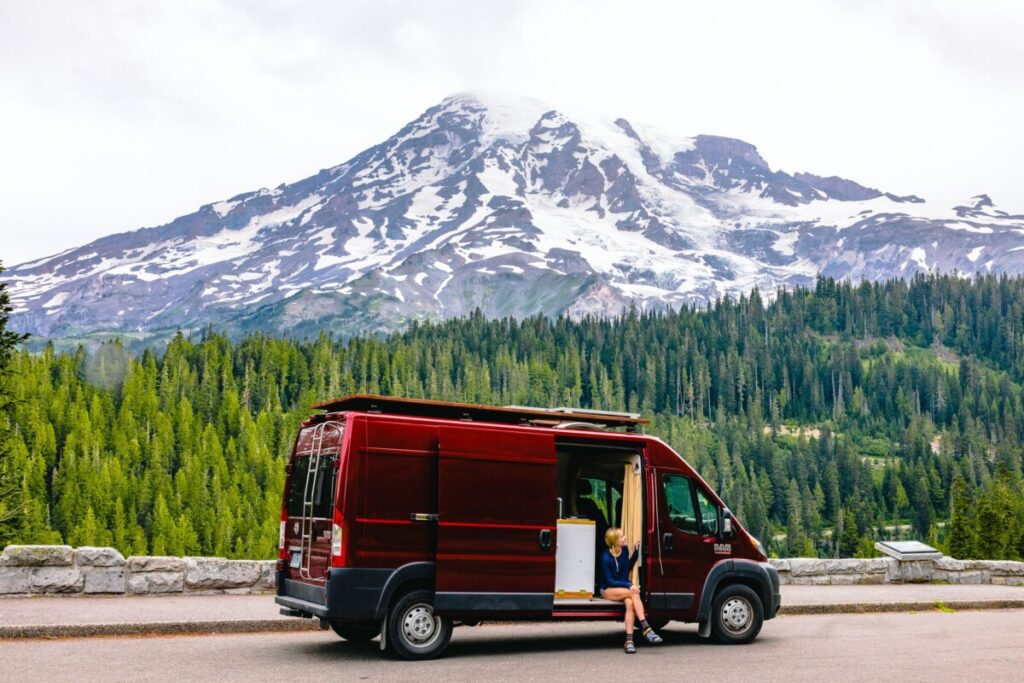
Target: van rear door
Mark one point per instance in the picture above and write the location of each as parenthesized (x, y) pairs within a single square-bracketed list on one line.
[(497, 508), (311, 490)]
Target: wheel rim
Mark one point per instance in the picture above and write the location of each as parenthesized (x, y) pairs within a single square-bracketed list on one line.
[(420, 628), (737, 615)]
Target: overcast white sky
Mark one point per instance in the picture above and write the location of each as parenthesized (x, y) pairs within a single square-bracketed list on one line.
[(116, 115)]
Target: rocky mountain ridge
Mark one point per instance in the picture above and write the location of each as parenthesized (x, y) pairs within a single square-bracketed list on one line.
[(507, 205)]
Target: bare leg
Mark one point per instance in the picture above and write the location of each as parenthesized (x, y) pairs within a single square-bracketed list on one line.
[(617, 594), (638, 606), (630, 598)]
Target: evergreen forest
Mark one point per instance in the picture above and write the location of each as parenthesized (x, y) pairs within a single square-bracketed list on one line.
[(826, 419)]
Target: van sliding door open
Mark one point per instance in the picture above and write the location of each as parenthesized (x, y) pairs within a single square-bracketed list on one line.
[(497, 507)]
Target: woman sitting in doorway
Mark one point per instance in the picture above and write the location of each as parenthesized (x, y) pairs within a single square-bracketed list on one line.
[(616, 563)]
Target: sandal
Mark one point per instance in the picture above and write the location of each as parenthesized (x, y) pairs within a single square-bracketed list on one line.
[(651, 636), (630, 648)]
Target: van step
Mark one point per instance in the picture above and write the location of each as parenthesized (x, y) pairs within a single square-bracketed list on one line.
[(593, 603)]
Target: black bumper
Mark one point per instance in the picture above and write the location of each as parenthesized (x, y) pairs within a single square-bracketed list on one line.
[(349, 594), (308, 599), (772, 609)]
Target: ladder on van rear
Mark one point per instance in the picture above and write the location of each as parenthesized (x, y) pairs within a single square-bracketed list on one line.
[(309, 491)]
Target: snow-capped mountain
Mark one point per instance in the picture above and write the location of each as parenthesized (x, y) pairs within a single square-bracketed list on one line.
[(507, 205)]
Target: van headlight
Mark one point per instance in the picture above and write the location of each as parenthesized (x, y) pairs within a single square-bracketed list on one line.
[(760, 548)]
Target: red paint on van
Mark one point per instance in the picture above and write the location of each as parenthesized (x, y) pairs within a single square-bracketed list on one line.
[(448, 513)]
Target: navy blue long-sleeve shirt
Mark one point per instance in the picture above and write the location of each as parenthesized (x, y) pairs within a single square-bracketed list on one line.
[(615, 571)]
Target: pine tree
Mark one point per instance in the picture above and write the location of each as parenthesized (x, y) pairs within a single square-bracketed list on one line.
[(12, 504), (960, 542), (182, 447), (849, 540)]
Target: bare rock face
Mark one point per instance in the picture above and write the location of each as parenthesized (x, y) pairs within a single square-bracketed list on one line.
[(919, 571), (973, 578), (871, 579), (150, 582), (104, 580), (155, 563), (37, 556), (90, 556), (57, 580), (949, 564), (811, 580), (846, 566), (15, 580), (268, 577), (844, 579), (219, 573), (998, 567), (807, 567)]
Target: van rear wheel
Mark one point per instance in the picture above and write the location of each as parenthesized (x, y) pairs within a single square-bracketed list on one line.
[(355, 633), (414, 631), (736, 615)]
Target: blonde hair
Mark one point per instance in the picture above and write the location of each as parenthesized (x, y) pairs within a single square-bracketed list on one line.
[(612, 537)]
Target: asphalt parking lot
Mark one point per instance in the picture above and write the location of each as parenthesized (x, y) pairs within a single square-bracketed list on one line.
[(927, 645)]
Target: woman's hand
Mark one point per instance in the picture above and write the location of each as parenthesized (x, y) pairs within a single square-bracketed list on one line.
[(636, 547), (634, 588)]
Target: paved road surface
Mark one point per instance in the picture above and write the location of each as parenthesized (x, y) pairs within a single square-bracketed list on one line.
[(975, 645)]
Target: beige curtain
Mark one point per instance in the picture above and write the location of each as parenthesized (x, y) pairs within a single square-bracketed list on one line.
[(632, 512)]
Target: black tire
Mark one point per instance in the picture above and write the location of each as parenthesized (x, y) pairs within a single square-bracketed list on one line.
[(414, 631), (356, 633), (736, 615)]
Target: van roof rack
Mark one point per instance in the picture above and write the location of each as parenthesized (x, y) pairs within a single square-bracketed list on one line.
[(549, 417)]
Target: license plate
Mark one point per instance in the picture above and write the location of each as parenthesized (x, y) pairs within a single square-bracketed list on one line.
[(296, 560)]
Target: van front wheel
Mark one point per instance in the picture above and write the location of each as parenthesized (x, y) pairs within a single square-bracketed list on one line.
[(736, 615), (414, 631)]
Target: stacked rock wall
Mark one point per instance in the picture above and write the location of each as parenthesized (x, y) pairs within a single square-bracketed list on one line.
[(63, 570), (807, 571)]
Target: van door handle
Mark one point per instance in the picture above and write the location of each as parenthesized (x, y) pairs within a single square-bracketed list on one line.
[(423, 517), (545, 539), (666, 541)]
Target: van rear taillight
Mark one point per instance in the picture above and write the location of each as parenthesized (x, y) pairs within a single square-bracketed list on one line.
[(335, 540), (338, 540), (280, 535)]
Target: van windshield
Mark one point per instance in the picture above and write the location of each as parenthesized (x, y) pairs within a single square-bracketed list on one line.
[(319, 485)]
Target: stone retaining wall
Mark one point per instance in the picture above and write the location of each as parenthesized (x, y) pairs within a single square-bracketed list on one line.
[(63, 570), (808, 571)]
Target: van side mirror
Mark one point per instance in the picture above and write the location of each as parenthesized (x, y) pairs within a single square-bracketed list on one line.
[(727, 526)]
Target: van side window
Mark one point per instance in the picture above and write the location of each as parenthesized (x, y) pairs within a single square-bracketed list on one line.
[(708, 514), (679, 497)]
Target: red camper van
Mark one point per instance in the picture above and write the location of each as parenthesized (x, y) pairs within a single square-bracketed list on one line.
[(405, 517)]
